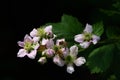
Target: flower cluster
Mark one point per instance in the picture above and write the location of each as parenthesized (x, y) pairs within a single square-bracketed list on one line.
[(42, 41)]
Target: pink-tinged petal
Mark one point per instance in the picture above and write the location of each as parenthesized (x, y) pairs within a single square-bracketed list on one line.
[(21, 53), (70, 68), (50, 43), (21, 44), (36, 46), (48, 29), (49, 52), (27, 38), (79, 38), (85, 44), (54, 36), (44, 41), (59, 40), (95, 39), (58, 61), (36, 39), (65, 51), (79, 61), (32, 54), (42, 60), (34, 33), (74, 50), (88, 28)]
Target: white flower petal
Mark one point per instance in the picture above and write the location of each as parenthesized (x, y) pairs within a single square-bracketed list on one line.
[(54, 36), (70, 69), (34, 33), (74, 50), (27, 38), (42, 60), (65, 51), (44, 41), (88, 28), (59, 40), (85, 44), (32, 54), (21, 44), (36, 46), (57, 60), (49, 52), (95, 39), (50, 43), (79, 61), (36, 39), (79, 38), (48, 29), (21, 53)]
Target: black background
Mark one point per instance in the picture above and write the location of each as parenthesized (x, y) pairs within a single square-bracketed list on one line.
[(22, 17)]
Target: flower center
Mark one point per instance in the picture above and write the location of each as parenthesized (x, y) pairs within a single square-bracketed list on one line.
[(87, 36), (69, 59), (41, 32), (28, 46)]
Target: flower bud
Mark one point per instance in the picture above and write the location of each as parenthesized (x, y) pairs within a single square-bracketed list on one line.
[(42, 60), (70, 69)]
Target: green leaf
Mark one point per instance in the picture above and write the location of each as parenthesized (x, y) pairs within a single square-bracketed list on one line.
[(67, 28), (115, 67), (72, 24), (118, 45), (100, 59), (113, 32), (110, 12), (112, 77), (98, 28)]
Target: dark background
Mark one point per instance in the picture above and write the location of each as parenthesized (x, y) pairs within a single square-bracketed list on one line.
[(23, 16)]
